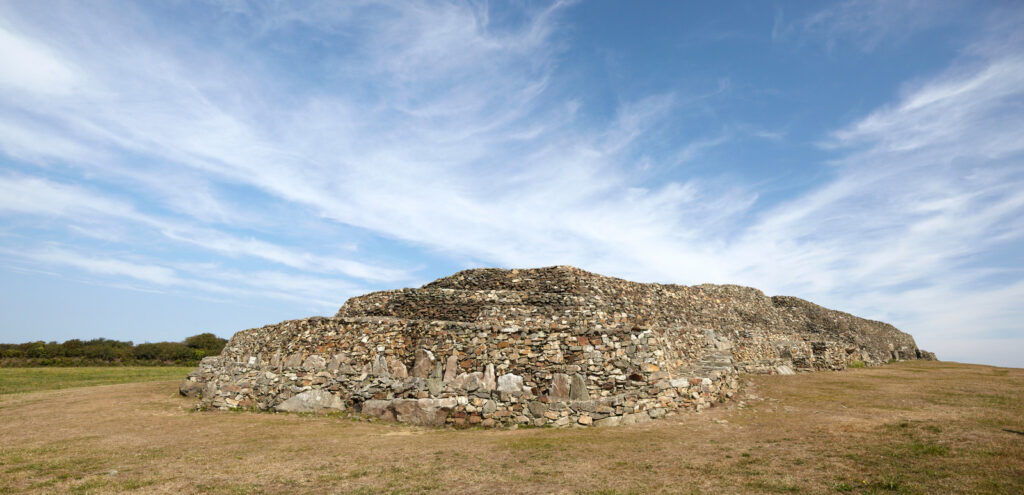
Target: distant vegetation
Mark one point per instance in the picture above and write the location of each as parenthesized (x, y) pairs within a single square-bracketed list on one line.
[(106, 352)]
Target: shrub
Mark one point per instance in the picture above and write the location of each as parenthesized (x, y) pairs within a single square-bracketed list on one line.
[(210, 344), (95, 352)]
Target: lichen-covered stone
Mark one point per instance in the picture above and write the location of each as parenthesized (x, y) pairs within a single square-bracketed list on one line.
[(551, 346)]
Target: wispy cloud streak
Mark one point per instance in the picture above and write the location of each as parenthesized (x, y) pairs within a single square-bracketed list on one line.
[(451, 131)]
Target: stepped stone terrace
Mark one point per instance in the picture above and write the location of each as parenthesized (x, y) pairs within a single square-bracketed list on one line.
[(554, 346)]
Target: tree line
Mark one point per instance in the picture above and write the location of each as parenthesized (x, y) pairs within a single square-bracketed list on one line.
[(106, 352)]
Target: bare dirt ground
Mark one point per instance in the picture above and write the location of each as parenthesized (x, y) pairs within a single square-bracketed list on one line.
[(915, 427)]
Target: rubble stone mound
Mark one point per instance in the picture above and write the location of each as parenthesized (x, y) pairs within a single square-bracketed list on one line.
[(548, 346)]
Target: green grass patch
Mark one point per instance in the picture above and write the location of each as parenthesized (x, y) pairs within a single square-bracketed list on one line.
[(19, 380)]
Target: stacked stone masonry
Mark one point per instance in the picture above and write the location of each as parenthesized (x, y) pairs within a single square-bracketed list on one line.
[(550, 346)]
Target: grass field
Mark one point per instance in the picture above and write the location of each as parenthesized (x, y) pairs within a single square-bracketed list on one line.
[(916, 427), (17, 380)]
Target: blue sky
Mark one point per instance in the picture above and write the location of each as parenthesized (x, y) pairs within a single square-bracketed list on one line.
[(169, 168)]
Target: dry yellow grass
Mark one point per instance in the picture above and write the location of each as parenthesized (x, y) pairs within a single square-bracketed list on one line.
[(916, 427)]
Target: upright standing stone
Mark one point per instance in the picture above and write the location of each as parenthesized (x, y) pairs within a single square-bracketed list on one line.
[(380, 366), (471, 381), (578, 388), (424, 364), (451, 368), (434, 386), (560, 384), (398, 369), (336, 361), (488, 383)]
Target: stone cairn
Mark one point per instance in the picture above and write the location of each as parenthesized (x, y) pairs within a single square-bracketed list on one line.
[(552, 346)]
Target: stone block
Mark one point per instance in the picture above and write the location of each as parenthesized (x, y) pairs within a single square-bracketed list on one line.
[(560, 387), (312, 401), (423, 364), (510, 383), (578, 388)]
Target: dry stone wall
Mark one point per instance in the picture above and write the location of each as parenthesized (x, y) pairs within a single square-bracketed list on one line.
[(551, 346)]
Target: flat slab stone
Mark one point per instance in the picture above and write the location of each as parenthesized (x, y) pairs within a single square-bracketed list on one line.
[(424, 412), (313, 401)]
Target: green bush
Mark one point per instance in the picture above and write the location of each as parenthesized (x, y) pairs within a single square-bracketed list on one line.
[(210, 344), (99, 352)]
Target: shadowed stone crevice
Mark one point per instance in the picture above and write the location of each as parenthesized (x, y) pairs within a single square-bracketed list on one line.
[(549, 346)]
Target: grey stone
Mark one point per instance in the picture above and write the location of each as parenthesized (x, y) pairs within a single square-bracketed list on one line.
[(488, 382), (317, 400), (537, 409), (426, 412), (190, 388), (679, 383), (784, 370), (398, 369), (578, 388), (457, 382), (434, 386), (293, 361), (336, 362), (472, 381), (209, 390), (423, 364), (510, 383), (379, 366), (451, 368), (609, 421), (378, 409), (560, 385), (489, 407), (632, 419)]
